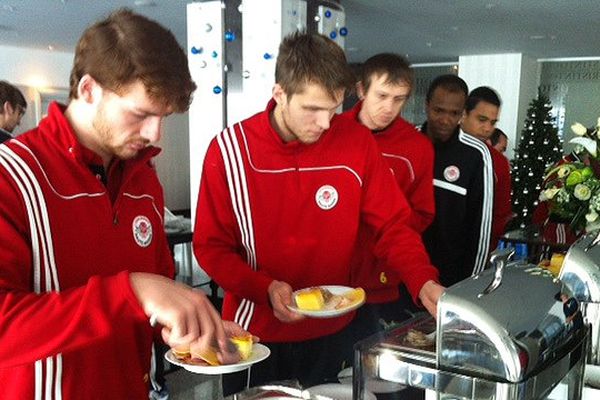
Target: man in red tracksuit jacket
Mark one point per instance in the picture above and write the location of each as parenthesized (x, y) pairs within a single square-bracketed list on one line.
[(281, 198), (384, 87), (482, 111), (84, 259)]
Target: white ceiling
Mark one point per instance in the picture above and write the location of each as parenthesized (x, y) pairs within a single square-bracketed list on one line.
[(424, 30)]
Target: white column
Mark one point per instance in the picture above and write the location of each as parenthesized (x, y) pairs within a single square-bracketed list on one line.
[(514, 77), (264, 24), (205, 55)]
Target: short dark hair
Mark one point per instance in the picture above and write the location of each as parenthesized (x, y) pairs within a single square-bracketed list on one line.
[(13, 95), (450, 82), (393, 65), (127, 47), (312, 58), (482, 93), (495, 138)]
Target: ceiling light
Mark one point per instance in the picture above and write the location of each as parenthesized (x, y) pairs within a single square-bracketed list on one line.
[(537, 37), (144, 3), (50, 47)]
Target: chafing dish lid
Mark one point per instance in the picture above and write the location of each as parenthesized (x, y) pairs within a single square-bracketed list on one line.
[(581, 269), (504, 330)]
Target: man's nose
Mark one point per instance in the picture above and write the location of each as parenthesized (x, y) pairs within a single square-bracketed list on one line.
[(323, 119), (151, 130)]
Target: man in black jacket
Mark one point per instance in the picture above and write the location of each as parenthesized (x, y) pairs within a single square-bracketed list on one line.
[(459, 237), (12, 108)]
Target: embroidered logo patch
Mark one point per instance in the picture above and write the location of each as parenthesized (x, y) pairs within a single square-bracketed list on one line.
[(452, 173), (142, 231), (326, 197)]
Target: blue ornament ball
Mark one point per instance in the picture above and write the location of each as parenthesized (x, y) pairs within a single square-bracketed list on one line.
[(229, 36), (267, 56), (343, 31), (214, 54), (197, 50), (328, 14), (333, 34), (217, 89)]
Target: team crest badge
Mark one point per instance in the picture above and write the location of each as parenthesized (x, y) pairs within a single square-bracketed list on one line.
[(452, 173), (326, 197), (142, 231)]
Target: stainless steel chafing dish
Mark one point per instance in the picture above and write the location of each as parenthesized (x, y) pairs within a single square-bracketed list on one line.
[(581, 273), (507, 333)]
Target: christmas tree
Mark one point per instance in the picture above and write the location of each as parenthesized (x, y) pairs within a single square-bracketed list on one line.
[(539, 148)]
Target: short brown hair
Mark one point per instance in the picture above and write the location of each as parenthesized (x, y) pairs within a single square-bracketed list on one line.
[(13, 95), (126, 47), (393, 65), (312, 58)]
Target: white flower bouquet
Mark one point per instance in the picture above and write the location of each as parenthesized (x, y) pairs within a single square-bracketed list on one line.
[(572, 186)]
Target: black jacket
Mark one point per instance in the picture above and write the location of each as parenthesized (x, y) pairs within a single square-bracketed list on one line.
[(4, 135), (458, 240)]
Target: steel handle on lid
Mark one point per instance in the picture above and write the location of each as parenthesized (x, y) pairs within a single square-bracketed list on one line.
[(593, 243), (499, 259)]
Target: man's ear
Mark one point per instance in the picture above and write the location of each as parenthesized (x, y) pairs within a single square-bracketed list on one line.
[(463, 117), (7, 108), (360, 90), (279, 94), (89, 90)]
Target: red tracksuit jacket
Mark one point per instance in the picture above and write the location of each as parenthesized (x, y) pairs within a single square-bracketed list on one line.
[(409, 155), (70, 325), (502, 201), (288, 211)]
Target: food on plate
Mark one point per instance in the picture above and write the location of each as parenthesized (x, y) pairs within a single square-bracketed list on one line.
[(417, 338), (553, 265), (318, 299), (311, 299), (243, 345), (556, 263)]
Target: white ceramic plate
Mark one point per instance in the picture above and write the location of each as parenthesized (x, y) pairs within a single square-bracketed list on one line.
[(339, 290), (337, 391), (259, 353)]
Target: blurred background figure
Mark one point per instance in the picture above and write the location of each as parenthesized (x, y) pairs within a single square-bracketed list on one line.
[(498, 140), (12, 107)]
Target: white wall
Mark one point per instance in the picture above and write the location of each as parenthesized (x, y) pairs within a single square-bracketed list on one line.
[(42, 70), (37, 68), (173, 163), (513, 76)]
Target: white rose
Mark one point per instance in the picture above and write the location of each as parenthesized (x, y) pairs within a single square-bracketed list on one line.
[(590, 145), (582, 192), (563, 171), (591, 216), (578, 129), (548, 193)]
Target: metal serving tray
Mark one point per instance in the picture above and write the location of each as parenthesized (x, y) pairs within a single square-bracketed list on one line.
[(391, 358), (581, 274)]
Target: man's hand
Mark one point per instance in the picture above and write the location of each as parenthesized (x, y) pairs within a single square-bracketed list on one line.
[(187, 316), (429, 295), (280, 295)]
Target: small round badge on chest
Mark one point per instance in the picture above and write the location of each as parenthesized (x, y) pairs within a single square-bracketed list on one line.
[(142, 231), (451, 173), (326, 197)]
